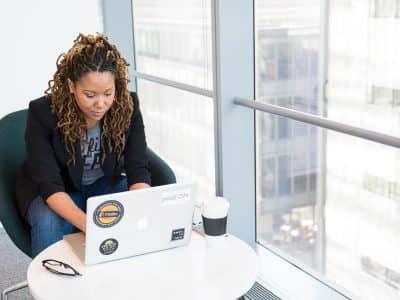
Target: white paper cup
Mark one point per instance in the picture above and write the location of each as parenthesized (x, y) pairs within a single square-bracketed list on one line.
[(215, 214)]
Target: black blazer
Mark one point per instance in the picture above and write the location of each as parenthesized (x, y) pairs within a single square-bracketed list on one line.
[(46, 171)]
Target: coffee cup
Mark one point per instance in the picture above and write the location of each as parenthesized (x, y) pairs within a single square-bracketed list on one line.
[(215, 214)]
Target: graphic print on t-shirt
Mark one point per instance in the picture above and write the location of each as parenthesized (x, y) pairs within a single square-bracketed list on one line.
[(92, 157)]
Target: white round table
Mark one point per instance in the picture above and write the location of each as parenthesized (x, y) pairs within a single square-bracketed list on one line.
[(195, 271)]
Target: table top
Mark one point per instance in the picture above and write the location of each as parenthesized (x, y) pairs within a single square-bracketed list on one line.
[(196, 271)]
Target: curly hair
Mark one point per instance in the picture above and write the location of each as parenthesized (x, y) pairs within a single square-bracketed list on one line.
[(91, 53)]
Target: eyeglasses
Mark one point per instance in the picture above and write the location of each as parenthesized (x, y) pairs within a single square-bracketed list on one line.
[(60, 268)]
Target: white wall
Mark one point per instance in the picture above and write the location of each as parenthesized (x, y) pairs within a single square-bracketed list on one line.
[(32, 35)]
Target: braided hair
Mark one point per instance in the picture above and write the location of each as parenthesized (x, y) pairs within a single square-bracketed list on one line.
[(91, 53)]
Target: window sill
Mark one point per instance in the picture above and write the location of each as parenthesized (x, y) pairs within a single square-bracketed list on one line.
[(291, 282)]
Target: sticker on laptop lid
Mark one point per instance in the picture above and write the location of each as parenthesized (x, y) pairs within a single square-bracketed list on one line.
[(109, 246), (178, 234), (175, 197), (108, 213)]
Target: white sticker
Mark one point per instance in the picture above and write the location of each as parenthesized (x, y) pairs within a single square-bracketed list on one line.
[(175, 197)]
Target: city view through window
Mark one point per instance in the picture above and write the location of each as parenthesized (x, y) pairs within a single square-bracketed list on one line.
[(326, 201), (173, 41)]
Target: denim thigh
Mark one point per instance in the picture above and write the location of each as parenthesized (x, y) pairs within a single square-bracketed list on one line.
[(47, 227)]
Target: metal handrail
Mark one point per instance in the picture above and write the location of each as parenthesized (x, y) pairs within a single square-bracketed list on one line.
[(321, 122), (175, 84)]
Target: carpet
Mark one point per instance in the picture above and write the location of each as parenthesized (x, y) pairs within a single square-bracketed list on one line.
[(13, 266)]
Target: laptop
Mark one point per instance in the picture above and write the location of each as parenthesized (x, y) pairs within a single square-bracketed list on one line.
[(135, 222)]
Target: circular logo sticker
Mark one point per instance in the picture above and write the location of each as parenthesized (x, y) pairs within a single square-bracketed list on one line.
[(108, 213), (108, 246)]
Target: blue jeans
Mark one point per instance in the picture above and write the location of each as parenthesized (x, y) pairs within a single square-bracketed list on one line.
[(47, 227)]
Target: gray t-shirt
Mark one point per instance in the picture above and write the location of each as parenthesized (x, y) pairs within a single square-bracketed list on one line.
[(92, 157)]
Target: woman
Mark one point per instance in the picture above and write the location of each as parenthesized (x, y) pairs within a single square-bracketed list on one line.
[(82, 137)]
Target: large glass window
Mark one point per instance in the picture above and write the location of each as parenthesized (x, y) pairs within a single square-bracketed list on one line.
[(180, 127), (344, 75), (329, 201), (332, 205), (173, 40)]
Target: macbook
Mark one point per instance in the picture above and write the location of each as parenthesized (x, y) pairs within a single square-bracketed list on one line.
[(135, 222)]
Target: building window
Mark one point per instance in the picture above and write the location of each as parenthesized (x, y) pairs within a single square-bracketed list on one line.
[(383, 187), (385, 96), (386, 8), (379, 271)]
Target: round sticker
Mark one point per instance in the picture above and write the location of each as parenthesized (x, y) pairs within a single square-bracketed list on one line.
[(108, 246), (108, 213)]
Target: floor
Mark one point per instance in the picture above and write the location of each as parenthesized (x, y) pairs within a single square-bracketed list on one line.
[(13, 266)]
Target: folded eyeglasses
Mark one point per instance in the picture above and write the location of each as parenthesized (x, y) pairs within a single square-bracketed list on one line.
[(59, 267)]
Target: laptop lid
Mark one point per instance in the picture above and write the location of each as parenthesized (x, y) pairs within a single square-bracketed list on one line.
[(136, 222)]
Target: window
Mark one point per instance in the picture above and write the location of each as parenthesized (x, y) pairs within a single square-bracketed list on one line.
[(380, 272), (383, 187), (179, 126), (386, 8), (384, 96), (148, 43), (335, 209), (173, 40)]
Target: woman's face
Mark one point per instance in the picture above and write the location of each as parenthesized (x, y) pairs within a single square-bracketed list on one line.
[(94, 93)]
